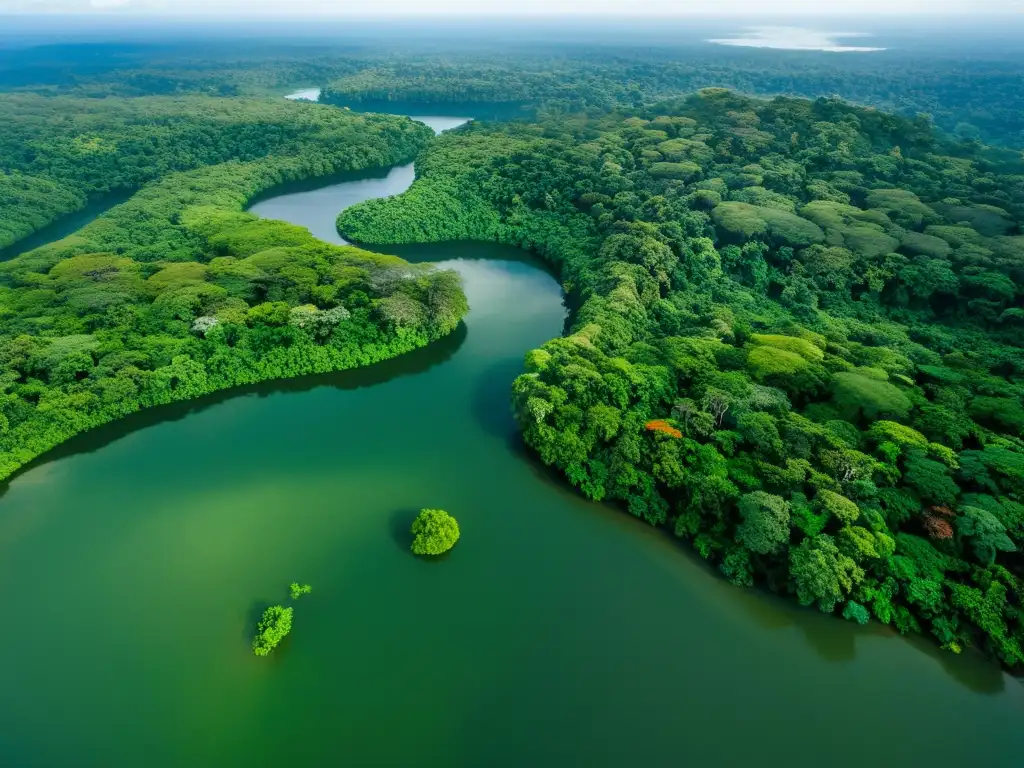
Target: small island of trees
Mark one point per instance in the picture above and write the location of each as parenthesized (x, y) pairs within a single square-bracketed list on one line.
[(272, 629), (434, 532), (276, 622)]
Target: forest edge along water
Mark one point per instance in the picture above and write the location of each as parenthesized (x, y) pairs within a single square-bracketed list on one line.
[(559, 631), (65, 225)]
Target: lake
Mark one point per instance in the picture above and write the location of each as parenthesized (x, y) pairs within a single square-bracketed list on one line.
[(796, 39), (304, 94), (135, 560)]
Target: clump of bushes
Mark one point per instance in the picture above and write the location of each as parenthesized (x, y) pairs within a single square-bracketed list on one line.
[(272, 629), (276, 622), (298, 590), (434, 532)]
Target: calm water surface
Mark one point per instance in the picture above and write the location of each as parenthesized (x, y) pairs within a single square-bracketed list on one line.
[(309, 202), (134, 561), (305, 94)]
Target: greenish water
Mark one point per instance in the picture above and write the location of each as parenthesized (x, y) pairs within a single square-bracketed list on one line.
[(134, 561)]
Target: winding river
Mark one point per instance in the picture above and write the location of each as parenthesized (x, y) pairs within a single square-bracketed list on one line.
[(64, 225), (134, 560)]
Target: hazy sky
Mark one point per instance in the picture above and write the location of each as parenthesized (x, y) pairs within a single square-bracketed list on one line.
[(519, 7)]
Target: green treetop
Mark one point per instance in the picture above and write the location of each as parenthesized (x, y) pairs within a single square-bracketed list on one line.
[(298, 590), (434, 532), (275, 624)]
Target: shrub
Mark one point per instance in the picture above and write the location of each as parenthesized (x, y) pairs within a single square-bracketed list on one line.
[(298, 590)]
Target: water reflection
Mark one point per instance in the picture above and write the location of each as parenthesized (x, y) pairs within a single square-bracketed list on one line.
[(492, 401), (835, 640)]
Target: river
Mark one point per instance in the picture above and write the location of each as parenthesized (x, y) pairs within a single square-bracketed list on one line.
[(64, 225), (135, 559)]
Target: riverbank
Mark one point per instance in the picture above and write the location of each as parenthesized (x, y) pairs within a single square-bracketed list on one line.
[(66, 225), (270, 305)]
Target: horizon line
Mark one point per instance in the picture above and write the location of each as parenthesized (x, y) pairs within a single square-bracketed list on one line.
[(130, 13)]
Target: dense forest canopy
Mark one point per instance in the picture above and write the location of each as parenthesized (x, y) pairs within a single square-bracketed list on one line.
[(797, 344), (55, 154), (973, 88), (983, 101), (176, 292)]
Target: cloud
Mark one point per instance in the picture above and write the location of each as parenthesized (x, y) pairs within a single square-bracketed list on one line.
[(101, 4)]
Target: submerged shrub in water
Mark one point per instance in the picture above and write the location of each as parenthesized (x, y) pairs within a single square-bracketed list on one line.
[(298, 590), (434, 532), (272, 629)]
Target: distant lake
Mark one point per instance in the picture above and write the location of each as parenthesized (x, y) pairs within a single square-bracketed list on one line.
[(306, 94), (795, 39)]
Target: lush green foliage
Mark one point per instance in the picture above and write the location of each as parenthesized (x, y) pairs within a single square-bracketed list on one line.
[(981, 100), (296, 590), (275, 624), (434, 532), (31, 202), (55, 154), (774, 356), (972, 86), (177, 293)]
